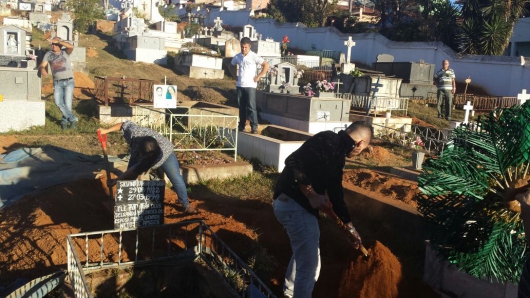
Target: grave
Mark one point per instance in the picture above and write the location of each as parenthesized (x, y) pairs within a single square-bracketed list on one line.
[(199, 66), (417, 75), (348, 66), (266, 48), (284, 80), (523, 97), (21, 105), (12, 42), (308, 114), (144, 48), (232, 47), (272, 146)]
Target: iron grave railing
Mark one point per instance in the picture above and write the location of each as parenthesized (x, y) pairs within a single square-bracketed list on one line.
[(434, 140), (378, 103), (192, 241), (200, 131)]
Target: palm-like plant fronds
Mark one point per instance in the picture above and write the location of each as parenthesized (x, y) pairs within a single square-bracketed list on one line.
[(465, 190)]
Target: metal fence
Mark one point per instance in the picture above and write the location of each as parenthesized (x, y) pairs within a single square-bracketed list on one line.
[(378, 103), (187, 240), (434, 140), (123, 90), (335, 55), (479, 102), (206, 131)]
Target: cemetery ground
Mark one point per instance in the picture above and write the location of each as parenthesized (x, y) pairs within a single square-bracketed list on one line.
[(33, 230)]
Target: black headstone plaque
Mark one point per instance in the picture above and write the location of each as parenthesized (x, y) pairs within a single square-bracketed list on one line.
[(139, 203)]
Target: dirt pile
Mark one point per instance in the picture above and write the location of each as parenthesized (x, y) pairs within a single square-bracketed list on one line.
[(378, 276), (391, 187), (34, 230), (105, 26)]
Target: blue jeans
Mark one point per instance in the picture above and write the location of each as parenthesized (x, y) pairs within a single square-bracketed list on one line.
[(246, 98), (171, 168), (63, 92), (304, 235)]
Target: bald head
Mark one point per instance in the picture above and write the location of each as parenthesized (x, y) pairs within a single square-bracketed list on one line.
[(362, 134)]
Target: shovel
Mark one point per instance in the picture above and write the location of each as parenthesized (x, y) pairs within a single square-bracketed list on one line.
[(103, 140), (329, 211)]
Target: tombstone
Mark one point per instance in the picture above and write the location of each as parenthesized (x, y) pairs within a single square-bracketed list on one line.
[(266, 48), (218, 27), (250, 32), (13, 41), (232, 47), (65, 27), (348, 66), (39, 8), (286, 73), (468, 107), (523, 97), (385, 58)]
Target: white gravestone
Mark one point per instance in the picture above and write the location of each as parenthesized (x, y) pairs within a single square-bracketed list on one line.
[(468, 107), (523, 97), (348, 66)]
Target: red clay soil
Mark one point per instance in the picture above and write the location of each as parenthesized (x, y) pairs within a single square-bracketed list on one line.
[(417, 121), (375, 276), (388, 186), (33, 234)]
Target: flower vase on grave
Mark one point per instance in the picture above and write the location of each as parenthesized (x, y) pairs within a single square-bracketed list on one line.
[(417, 159)]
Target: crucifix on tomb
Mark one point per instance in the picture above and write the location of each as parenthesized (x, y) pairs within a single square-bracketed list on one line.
[(348, 66), (468, 107), (523, 97)]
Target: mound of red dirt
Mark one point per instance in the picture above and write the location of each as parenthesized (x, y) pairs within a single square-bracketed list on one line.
[(34, 230), (377, 276), (391, 187)]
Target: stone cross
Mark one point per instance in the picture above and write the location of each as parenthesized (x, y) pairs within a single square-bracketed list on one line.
[(218, 24), (349, 43), (523, 97), (468, 107)]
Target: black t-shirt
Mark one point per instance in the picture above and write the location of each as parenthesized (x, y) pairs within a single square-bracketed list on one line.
[(321, 158)]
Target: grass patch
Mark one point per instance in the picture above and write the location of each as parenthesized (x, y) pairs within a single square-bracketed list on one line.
[(429, 114)]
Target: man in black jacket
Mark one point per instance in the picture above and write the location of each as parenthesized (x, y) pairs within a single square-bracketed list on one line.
[(313, 177)]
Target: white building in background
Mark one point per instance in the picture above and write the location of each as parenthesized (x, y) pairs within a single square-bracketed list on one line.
[(520, 40)]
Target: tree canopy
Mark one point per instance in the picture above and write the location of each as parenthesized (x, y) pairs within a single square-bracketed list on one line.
[(86, 13), (313, 13)]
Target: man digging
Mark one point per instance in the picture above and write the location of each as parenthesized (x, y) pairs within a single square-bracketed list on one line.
[(311, 180)]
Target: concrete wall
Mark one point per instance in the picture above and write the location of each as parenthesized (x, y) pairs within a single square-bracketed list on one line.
[(20, 84), (499, 75), (199, 61), (147, 56), (269, 149), (19, 115)]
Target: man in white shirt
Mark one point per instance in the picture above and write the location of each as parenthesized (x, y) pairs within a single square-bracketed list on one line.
[(247, 81)]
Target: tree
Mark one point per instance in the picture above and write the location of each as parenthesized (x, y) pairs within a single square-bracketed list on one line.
[(313, 13), (488, 25), (468, 195), (169, 13), (86, 13)]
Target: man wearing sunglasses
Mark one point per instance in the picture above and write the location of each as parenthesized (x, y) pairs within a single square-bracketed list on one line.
[(311, 179), (63, 78)]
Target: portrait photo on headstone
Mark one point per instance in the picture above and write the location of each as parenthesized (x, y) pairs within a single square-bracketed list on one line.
[(165, 96)]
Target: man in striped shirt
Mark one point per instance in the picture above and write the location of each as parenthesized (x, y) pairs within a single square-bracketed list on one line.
[(445, 80)]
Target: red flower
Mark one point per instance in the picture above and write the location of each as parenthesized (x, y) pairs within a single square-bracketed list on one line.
[(285, 39)]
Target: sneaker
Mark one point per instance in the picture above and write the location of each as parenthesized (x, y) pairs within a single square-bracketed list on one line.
[(73, 124), (190, 210), (64, 125), (254, 132)]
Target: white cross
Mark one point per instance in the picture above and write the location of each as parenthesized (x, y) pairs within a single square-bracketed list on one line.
[(523, 97), (468, 107), (349, 43), (218, 23)]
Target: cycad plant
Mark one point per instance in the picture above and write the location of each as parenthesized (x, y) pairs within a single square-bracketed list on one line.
[(468, 195)]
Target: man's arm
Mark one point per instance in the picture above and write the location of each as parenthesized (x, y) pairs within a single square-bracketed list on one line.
[(264, 69), (42, 67), (454, 86), (524, 199), (69, 48)]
